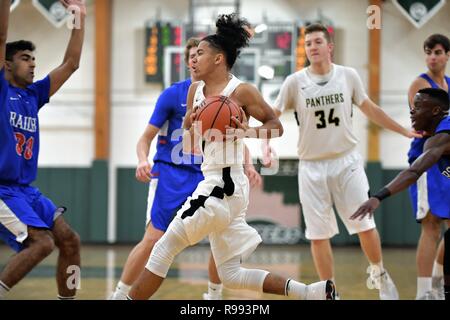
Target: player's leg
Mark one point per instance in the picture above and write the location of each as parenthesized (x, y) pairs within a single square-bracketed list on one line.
[(67, 241), (437, 276), (37, 246), (322, 290), (215, 286), (163, 201), (350, 188), (426, 254), (69, 260), (438, 269), (136, 261), (371, 245), (199, 216), (323, 258), (25, 232), (150, 279), (236, 277), (320, 220), (431, 205), (447, 264)]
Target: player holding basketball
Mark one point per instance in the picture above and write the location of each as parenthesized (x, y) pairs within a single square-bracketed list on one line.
[(429, 113), (330, 169), (430, 196), (29, 222), (173, 178), (218, 205)]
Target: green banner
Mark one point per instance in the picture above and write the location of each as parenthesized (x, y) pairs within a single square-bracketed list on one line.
[(419, 12), (14, 4), (53, 10)]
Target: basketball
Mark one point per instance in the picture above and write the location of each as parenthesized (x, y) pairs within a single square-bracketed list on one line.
[(216, 112)]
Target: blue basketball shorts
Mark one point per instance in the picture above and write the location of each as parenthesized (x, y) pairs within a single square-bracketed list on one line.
[(22, 207), (169, 188), (431, 194)]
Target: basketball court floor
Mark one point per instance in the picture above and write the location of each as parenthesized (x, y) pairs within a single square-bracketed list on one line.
[(187, 279)]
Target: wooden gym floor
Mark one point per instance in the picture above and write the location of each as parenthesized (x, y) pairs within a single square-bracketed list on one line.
[(187, 279)]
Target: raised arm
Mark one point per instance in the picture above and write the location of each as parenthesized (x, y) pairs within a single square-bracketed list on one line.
[(435, 147), (4, 18), (72, 56)]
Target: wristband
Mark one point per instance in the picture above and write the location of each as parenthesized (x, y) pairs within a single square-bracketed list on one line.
[(382, 194)]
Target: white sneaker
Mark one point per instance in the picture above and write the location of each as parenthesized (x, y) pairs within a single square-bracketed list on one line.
[(380, 279), (323, 290), (388, 291), (438, 287), (207, 296), (117, 296), (429, 295)]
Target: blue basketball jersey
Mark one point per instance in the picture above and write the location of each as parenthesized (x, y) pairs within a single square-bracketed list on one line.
[(444, 161), (168, 115), (417, 144), (19, 130)]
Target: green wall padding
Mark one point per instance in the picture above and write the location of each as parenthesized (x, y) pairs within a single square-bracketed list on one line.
[(70, 188), (131, 206), (98, 219), (84, 192)]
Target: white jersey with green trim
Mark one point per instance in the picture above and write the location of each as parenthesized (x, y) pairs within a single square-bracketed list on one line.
[(218, 154), (324, 110)]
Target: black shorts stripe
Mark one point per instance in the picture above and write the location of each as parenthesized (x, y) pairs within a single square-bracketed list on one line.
[(217, 192), (296, 118)]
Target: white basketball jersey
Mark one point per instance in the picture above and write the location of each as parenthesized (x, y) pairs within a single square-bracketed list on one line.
[(218, 155), (324, 111)]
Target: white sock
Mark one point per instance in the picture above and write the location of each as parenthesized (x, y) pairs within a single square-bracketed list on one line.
[(423, 286), (214, 289), (4, 289), (121, 291), (295, 289), (378, 267), (438, 270)]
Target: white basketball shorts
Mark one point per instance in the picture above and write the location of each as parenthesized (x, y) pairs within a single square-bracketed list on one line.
[(342, 182), (217, 209)]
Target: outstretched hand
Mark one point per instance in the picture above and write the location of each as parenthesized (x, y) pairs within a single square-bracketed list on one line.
[(367, 208)]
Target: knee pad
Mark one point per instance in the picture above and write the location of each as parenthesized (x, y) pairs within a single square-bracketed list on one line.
[(233, 276), (171, 243)]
